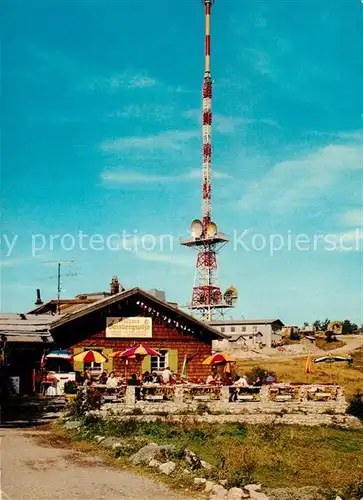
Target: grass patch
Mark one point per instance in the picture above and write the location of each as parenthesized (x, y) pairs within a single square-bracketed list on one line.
[(277, 456), (322, 343), (293, 370)]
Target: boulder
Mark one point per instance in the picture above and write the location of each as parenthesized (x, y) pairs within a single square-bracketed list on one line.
[(192, 459), (72, 424), (167, 468), (205, 465), (98, 439), (223, 482), (252, 487), (218, 492), (209, 486), (235, 494), (257, 495), (110, 443), (199, 481), (154, 463), (151, 451)]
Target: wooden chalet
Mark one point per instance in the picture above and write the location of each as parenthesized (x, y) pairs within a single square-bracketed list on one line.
[(134, 317)]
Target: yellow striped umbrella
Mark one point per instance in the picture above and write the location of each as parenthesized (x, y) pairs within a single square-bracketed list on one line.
[(90, 357), (217, 359)]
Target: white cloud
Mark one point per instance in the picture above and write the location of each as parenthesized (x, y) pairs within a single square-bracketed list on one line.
[(175, 260), (122, 81), (311, 177), (353, 217), (116, 177), (147, 112), (226, 124), (169, 140), (221, 123)]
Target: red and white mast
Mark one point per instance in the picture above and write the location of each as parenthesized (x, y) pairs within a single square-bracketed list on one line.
[(207, 299)]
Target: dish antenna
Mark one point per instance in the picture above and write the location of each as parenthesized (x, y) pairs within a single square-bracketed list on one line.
[(196, 228), (211, 229)]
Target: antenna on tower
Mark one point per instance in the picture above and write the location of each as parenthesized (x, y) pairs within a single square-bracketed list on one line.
[(207, 298)]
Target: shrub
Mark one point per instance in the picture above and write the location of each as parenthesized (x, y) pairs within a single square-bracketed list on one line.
[(261, 373), (85, 401), (70, 387), (355, 407), (202, 408)]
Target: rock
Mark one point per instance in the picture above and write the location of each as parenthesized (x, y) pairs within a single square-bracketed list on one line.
[(98, 439), (110, 442), (192, 459), (235, 494), (154, 463), (218, 492), (72, 424), (167, 468), (223, 482), (151, 451), (256, 495), (338, 498), (186, 471), (199, 481), (116, 445), (252, 487), (209, 486), (205, 465)]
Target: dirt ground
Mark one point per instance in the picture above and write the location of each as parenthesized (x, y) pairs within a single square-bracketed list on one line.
[(36, 472)]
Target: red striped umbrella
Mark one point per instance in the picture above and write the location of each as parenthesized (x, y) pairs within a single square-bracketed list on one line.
[(139, 350)]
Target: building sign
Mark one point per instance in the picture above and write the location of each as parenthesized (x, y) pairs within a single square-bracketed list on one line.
[(137, 327)]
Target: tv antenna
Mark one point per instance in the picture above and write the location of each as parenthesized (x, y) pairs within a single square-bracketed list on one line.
[(59, 276)]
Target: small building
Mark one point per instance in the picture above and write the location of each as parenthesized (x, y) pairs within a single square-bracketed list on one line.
[(248, 333), (129, 318), (24, 339)]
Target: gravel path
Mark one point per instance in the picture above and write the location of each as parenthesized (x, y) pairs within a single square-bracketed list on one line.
[(34, 472)]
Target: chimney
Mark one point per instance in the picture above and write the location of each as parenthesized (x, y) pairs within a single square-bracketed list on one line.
[(114, 286), (39, 301)]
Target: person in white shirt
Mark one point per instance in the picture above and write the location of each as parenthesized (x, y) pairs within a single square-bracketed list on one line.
[(241, 382), (166, 375), (112, 381)]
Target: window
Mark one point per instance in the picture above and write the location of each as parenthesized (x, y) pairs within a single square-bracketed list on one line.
[(233, 329), (223, 329), (158, 364), (254, 328), (251, 337), (243, 329)]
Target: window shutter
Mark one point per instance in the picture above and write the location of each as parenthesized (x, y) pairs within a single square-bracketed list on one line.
[(108, 365), (173, 360), (146, 364), (78, 365)]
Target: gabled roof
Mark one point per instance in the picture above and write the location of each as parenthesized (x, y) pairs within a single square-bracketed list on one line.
[(119, 297), (26, 328), (65, 305)]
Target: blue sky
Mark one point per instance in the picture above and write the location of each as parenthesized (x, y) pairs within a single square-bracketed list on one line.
[(100, 134)]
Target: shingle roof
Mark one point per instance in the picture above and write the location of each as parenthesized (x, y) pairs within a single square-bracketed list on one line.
[(26, 328)]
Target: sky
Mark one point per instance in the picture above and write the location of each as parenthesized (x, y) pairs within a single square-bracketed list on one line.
[(101, 108)]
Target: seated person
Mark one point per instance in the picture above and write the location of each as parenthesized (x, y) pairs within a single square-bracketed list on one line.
[(103, 378), (112, 381), (240, 381)]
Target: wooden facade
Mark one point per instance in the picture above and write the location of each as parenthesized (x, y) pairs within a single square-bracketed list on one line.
[(173, 331)]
